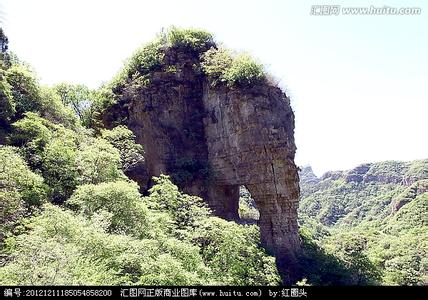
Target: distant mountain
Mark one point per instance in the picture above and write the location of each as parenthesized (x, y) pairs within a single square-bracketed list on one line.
[(368, 192), (373, 218)]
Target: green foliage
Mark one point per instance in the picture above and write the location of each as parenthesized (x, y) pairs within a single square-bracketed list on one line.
[(244, 71), (52, 109), (413, 214), (32, 129), (233, 253), (121, 199), (339, 200), (98, 161), (59, 168), (364, 231), (51, 149), (216, 62), (24, 88), (79, 98), (66, 158), (417, 169), (146, 59), (185, 210), (21, 93), (20, 189), (4, 45), (349, 247), (223, 66), (7, 106), (4, 41), (196, 39), (131, 154), (16, 176), (61, 248), (116, 239), (247, 205), (321, 267)]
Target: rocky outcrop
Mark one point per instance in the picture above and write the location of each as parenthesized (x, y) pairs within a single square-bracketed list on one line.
[(409, 195), (213, 139), (307, 176)]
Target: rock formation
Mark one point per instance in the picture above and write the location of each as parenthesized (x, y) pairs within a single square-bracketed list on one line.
[(212, 139)]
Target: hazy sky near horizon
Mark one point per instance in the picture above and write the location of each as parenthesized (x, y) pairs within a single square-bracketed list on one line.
[(358, 84)]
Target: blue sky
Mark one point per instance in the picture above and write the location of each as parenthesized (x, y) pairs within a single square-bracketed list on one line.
[(358, 84)]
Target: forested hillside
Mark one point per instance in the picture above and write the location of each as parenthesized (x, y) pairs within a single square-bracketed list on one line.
[(374, 217)]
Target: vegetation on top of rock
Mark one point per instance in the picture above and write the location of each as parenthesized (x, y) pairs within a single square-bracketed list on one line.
[(221, 65), (196, 39)]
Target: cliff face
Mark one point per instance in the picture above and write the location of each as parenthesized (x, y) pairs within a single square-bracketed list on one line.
[(212, 139)]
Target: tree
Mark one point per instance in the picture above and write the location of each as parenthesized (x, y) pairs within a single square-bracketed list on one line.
[(7, 106), (79, 98), (98, 161), (123, 139), (231, 251), (20, 189), (63, 248), (4, 46), (24, 88), (120, 198), (59, 169), (4, 41)]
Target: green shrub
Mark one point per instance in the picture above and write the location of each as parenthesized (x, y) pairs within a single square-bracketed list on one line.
[(31, 129), (59, 169), (20, 189), (28, 96), (79, 98), (232, 252), (185, 210), (66, 249), (25, 89), (143, 61), (16, 176), (196, 39), (222, 66), (7, 106), (119, 198), (52, 109), (216, 62), (149, 58), (98, 161), (321, 267), (244, 70), (33, 134), (123, 139), (60, 249), (247, 205), (349, 248)]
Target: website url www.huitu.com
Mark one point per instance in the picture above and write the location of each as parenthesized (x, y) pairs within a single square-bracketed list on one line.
[(335, 10)]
